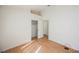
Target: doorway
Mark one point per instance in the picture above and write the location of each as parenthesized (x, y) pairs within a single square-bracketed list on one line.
[(34, 29), (45, 28)]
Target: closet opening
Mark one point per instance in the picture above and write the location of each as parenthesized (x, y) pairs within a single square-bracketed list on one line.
[(34, 29)]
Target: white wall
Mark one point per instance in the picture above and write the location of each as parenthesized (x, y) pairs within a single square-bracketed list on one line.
[(16, 27), (0, 27), (64, 25), (45, 27), (40, 28)]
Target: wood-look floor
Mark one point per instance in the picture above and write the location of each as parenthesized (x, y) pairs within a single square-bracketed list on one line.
[(42, 45)]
